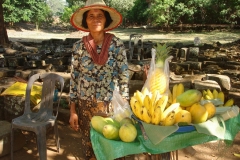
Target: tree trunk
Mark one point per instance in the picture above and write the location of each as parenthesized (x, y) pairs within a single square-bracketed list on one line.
[(3, 30)]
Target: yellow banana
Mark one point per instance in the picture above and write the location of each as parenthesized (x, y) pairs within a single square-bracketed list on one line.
[(221, 96), (210, 94), (155, 96), (145, 115), (138, 109), (229, 103), (236, 154), (180, 89), (171, 108), (170, 97), (174, 93), (169, 120), (207, 97), (162, 102), (215, 93), (139, 97), (145, 91), (133, 100), (204, 92), (156, 117), (147, 102)]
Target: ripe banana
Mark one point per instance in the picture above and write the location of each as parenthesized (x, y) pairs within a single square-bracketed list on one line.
[(229, 103), (221, 96), (147, 102), (155, 96), (145, 92), (236, 154), (162, 102), (138, 108), (170, 97), (171, 108), (180, 89), (169, 120), (204, 92), (156, 117), (139, 96), (215, 93), (210, 94), (145, 115), (133, 100), (174, 93)]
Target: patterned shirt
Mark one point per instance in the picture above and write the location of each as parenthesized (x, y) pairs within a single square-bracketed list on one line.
[(90, 80)]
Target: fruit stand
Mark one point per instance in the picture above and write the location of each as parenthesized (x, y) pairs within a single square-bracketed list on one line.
[(163, 119), (106, 149)]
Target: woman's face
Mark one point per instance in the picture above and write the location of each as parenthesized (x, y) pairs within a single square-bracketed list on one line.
[(96, 20)]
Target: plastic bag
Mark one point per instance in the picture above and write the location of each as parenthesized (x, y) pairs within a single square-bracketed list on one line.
[(121, 107), (152, 68)]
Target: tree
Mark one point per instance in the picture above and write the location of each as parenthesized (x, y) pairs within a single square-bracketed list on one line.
[(3, 30), (35, 11)]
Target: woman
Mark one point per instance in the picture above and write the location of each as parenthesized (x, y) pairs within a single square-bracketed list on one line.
[(99, 66)]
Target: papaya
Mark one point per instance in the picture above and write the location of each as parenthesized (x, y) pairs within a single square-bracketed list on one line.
[(189, 97)]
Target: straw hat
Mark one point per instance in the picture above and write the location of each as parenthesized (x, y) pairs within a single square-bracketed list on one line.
[(77, 16)]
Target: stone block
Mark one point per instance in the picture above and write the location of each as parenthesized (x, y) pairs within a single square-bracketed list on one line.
[(222, 80), (206, 84), (193, 53), (5, 139)]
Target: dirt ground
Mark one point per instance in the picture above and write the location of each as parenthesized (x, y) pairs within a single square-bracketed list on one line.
[(69, 139)]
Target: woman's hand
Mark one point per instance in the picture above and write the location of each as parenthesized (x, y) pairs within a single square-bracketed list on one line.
[(74, 121)]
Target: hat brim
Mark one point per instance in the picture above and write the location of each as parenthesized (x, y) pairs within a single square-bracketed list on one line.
[(76, 19)]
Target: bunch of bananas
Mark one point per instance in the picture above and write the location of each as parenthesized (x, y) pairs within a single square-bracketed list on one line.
[(153, 107), (214, 94)]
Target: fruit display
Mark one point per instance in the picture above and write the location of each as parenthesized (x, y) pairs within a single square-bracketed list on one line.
[(214, 94), (124, 130), (177, 106)]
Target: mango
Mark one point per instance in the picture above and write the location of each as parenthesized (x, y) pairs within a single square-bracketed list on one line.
[(189, 97), (199, 113), (110, 131), (211, 109)]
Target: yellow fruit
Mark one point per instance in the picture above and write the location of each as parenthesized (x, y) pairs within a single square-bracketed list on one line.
[(183, 116), (169, 120), (127, 132), (98, 123), (199, 113), (189, 97), (180, 89), (211, 109), (174, 93), (158, 81), (110, 132), (221, 96), (126, 120), (210, 94), (229, 103), (215, 93)]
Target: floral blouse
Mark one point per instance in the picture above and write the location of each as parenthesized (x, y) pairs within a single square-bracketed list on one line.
[(90, 80)]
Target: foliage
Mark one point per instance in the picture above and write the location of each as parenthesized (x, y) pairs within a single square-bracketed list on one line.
[(137, 14), (68, 11), (56, 6), (29, 10)]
